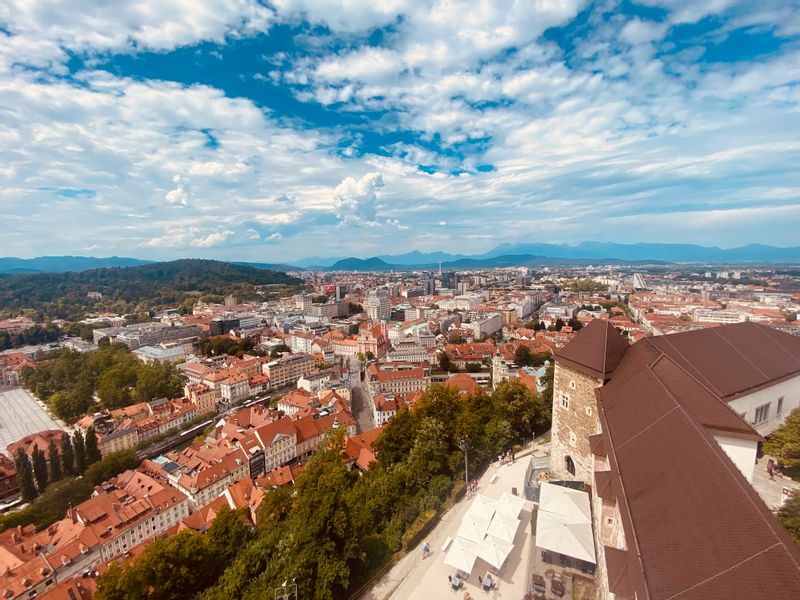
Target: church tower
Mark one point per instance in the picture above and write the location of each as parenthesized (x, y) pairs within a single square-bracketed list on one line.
[(581, 367)]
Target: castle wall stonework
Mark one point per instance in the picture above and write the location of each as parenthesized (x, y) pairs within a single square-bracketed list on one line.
[(574, 420)]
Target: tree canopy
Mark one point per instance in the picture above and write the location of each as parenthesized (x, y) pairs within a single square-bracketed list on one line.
[(69, 381), (132, 289)]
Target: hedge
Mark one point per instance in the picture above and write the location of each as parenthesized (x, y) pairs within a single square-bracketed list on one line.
[(419, 529)]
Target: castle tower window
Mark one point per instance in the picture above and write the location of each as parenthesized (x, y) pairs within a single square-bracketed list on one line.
[(569, 465)]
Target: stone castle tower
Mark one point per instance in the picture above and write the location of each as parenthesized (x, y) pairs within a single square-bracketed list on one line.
[(581, 367)]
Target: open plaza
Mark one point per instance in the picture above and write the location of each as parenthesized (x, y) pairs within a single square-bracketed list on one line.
[(21, 415)]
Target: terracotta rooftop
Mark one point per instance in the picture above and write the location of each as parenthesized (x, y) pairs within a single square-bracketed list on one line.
[(596, 350)]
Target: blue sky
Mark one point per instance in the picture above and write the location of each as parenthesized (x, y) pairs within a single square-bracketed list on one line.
[(272, 131)]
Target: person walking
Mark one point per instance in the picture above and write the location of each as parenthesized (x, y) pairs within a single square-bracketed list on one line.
[(426, 550)]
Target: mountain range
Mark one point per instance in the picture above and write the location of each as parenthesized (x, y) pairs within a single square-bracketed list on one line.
[(584, 253), (507, 254), (62, 264)]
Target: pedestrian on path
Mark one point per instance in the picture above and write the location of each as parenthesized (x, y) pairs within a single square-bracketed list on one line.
[(426, 550)]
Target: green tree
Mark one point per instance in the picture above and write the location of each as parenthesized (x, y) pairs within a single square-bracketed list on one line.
[(67, 456), (173, 568), (25, 481), (525, 411), (92, 451), (575, 324), (370, 355), (397, 438), (523, 356), (472, 367), (789, 515), (430, 453), (115, 385), (444, 362), (228, 534), (457, 339), (325, 540), (549, 382), (39, 463), (112, 465), (56, 471), (784, 442), (80, 452)]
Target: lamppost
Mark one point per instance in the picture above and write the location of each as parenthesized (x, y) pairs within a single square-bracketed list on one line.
[(464, 444)]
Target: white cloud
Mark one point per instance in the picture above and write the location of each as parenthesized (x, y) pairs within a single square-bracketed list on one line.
[(136, 24), (615, 131), (356, 199), (181, 194), (637, 31), (215, 238)]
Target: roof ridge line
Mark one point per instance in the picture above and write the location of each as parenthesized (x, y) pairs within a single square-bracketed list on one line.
[(741, 562), (735, 349), (777, 340), (708, 385)]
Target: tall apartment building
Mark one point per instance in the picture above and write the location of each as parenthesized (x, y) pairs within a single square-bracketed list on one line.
[(487, 325), (666, 433), (289, 368), (377, 304)]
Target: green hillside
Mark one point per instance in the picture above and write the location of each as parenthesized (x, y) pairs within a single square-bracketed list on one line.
[(132, 289)]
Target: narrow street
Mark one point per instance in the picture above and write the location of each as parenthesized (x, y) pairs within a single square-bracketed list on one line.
[(359, 405)]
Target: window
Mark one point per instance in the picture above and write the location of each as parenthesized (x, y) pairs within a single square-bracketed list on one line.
[(564, 401), (588, 411), (573, 439), (762, 413), (569, 465), (572, 385), (779, 410)]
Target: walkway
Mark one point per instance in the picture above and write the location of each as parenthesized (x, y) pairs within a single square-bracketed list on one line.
[(771, 491), (415, 578)]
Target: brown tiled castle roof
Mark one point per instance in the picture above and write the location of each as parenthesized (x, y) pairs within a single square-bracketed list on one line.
[(694, 526), (595, 351)]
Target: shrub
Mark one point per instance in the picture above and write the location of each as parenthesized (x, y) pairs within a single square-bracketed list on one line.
[(419, 529)]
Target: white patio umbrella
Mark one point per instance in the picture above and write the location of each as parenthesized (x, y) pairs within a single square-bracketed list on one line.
[(509, 505), (482, 507), (494, 551), (503, 528), (564, 535), (473, 528), (461, 554)]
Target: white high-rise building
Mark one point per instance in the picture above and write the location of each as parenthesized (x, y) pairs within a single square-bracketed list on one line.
[(377, 305)]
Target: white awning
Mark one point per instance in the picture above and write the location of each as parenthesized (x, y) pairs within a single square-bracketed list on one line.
[(564, 522)]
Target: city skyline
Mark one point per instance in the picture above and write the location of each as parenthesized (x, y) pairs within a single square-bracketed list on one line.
[(274, 132)]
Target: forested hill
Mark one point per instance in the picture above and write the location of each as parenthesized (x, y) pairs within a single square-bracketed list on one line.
[(132, 289)]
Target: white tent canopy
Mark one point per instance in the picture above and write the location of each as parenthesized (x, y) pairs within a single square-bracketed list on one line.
[(564, 522), (487, 531)]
